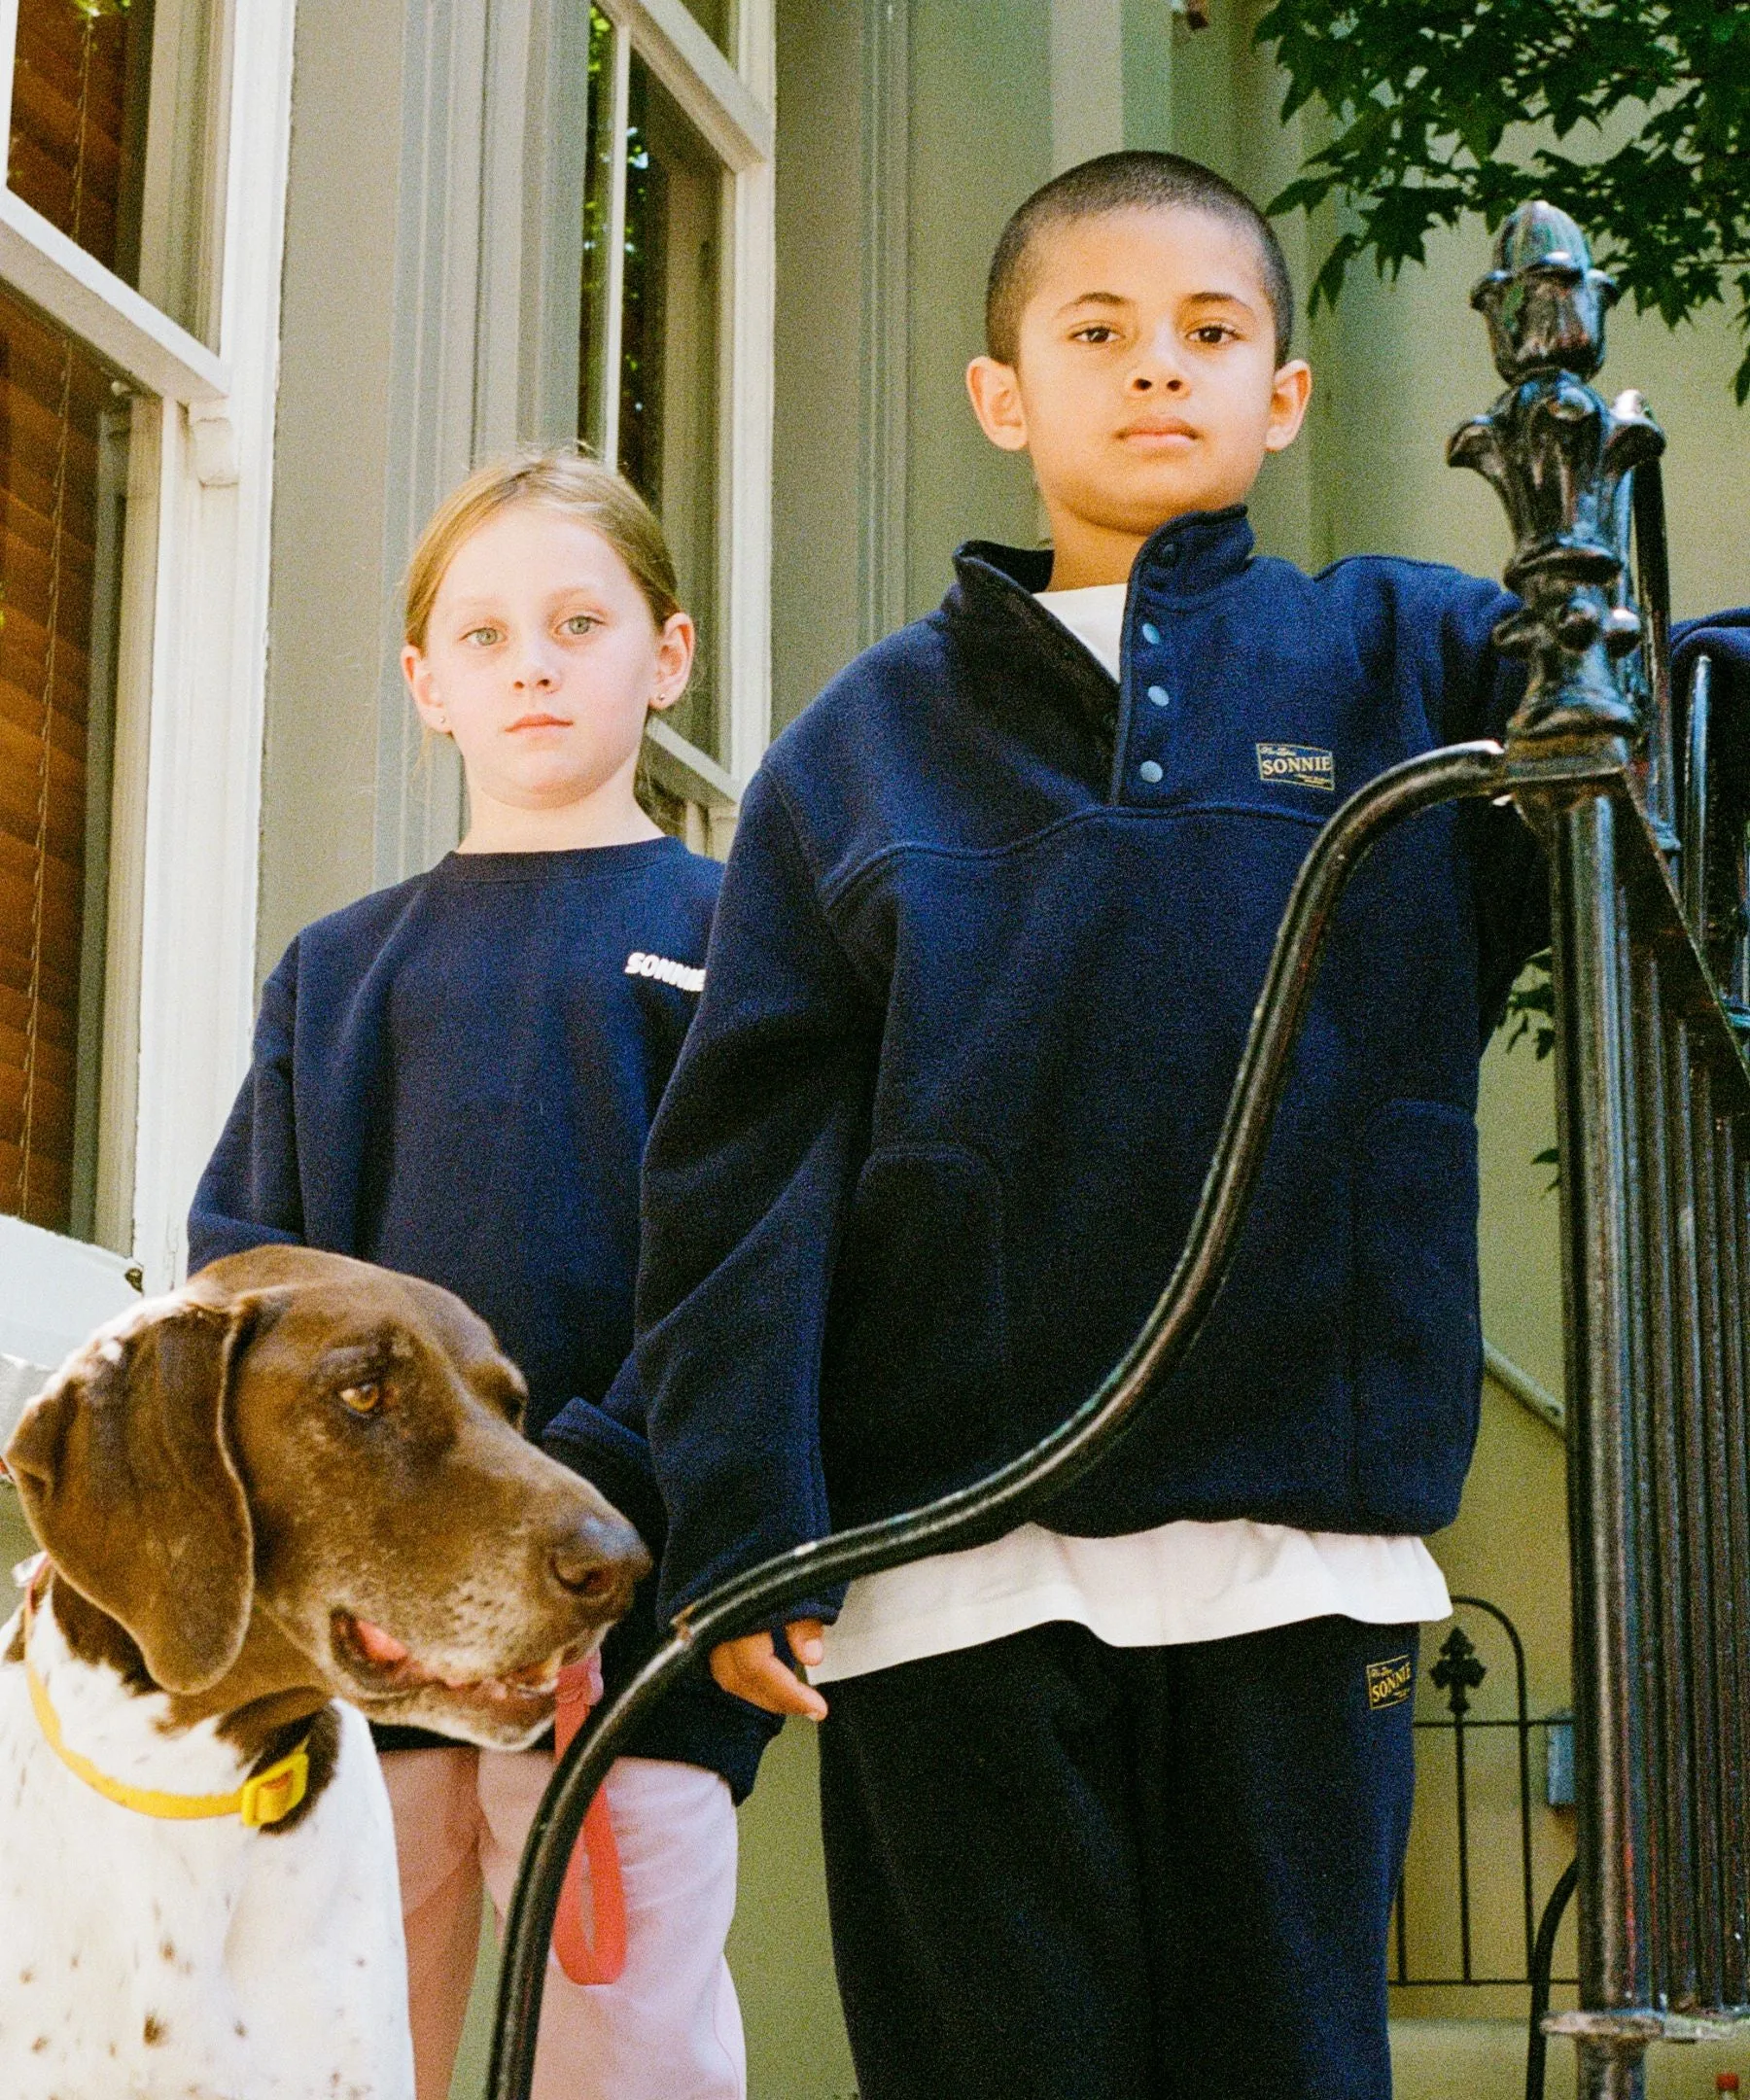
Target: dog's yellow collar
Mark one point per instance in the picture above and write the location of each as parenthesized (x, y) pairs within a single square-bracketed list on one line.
[(266, 1796)]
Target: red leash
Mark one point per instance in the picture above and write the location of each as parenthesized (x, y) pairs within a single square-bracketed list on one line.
[(599, 1956)]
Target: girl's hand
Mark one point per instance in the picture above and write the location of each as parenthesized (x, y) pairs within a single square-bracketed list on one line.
[(751, 1668)]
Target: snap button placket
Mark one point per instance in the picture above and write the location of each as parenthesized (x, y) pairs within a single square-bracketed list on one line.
[(1151, 725)]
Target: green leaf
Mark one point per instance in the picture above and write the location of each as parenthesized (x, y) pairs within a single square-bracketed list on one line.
[(1422, 98)]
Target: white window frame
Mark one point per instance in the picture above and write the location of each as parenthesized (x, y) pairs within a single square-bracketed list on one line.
[(191, 662), (731, 105)]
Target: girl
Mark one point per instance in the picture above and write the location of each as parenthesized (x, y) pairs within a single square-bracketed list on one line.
[(455, 1079)]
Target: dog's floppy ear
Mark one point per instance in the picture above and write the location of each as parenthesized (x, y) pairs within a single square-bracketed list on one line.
[(124, 1468)]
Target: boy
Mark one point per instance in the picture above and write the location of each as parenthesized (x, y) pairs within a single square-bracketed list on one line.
[(1113, 1805)]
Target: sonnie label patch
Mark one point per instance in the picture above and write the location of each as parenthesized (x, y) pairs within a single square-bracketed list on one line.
[(1303, 765), (683, 976), (1389, 1684)]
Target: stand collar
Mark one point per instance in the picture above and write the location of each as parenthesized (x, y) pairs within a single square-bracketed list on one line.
[(995, 585), (1181, 559)]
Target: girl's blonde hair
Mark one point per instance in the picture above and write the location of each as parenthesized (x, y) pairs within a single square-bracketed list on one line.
[(563, 481)]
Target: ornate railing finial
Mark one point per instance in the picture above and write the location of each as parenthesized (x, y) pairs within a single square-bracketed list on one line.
[(1556, 453)]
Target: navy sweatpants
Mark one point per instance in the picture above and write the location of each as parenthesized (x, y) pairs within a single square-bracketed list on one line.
[(1060, 1871)]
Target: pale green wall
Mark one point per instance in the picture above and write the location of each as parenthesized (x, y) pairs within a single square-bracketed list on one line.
[(1148, 73), (779, 1949), (1400, 365), (980, 142), (1520, 1237), (16, 1544), (330, 458), (817, 390), (1224, 102)]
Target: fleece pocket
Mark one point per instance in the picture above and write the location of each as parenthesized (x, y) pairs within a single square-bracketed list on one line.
[(1417, 1345), (920, 1338)]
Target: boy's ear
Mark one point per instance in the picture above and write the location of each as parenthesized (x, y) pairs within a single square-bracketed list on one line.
[(1289, 393), (995, 390)]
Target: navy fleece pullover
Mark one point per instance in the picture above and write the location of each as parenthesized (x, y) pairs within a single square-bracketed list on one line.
[(455, 1079), (988, 945)]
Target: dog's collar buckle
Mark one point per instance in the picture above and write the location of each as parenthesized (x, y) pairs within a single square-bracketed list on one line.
[(268, 1796)]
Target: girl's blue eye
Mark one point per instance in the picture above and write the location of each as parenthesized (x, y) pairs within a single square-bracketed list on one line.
[(482, 636), (580, 623)]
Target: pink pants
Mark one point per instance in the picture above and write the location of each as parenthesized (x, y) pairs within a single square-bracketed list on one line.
[(670, 2029)]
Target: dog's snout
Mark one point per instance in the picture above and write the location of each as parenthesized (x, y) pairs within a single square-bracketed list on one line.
[(600, 1562)]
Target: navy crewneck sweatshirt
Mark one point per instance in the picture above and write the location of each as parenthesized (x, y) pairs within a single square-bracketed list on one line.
[(455, 1079)]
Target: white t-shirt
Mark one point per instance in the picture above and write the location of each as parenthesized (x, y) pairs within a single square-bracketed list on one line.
[(1180, 1581), (1095, 616)]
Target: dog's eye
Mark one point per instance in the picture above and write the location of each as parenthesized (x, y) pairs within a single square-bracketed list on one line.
[(366, 1399)]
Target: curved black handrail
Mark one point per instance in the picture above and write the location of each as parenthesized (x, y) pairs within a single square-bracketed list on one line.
[(757, 1597), (1543, 1961)]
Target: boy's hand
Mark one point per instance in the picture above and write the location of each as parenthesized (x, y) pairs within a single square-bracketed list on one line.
[(751, 1668)]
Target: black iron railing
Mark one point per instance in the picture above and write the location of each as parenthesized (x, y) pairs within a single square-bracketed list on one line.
[(1646, 876)]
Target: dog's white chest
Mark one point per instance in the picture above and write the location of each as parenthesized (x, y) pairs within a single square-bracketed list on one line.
[(148, 1958)]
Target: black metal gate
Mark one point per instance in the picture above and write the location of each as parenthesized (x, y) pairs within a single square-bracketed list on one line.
[(1654, 1125), (1456, 1673), (1446, 1748)]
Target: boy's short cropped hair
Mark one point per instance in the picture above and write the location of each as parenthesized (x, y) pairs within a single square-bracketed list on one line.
[(1116, 182)]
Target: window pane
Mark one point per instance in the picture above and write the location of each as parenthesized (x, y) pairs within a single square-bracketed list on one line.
[(668, 395), (62, 492), (598, 212), (716, 18), (115, 139)]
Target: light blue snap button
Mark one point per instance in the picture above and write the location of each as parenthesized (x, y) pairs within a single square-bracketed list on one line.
[(1151, 634), (1158, 695), (1149, 771)]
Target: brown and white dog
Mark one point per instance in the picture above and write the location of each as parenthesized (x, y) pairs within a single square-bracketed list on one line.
[(299, 1480)]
